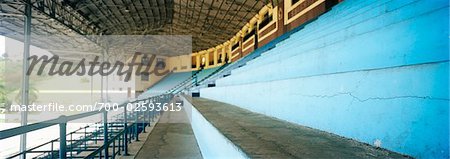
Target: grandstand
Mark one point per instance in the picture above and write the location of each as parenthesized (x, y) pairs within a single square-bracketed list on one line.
[(167, 83), (295, 79)]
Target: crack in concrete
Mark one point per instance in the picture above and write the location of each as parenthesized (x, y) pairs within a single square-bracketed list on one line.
[(374, 98)]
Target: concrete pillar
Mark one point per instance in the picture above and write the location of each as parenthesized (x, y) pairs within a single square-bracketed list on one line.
[(25, 77)]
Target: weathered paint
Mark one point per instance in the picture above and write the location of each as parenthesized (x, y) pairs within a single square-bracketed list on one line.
[(367, 70)]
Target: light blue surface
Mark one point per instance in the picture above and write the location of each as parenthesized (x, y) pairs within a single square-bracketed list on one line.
[(174, 79), (204, 73), (354, 48), (167, 83), (378, 72), (213, 145)]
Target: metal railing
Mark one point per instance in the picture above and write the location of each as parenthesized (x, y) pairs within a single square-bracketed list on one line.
[(223, 72), (200, 81), (183, 83), (98, 140)]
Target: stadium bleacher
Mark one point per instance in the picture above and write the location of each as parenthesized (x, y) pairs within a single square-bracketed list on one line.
[(166, 83), (173, 80), (361, 50)]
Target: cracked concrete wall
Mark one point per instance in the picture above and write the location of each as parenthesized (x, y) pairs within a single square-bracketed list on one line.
[(368, 70)]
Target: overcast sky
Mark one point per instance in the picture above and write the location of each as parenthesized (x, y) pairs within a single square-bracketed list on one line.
[(15, 49)]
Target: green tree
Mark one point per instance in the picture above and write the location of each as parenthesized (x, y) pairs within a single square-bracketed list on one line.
[(32, 95)]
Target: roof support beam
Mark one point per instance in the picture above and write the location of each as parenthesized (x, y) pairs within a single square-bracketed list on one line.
[(25, 77)]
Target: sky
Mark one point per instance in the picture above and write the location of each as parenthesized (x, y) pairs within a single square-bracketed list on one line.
[(15, 49)]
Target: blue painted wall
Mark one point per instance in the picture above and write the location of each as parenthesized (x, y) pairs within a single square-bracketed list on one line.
[(367, 70)]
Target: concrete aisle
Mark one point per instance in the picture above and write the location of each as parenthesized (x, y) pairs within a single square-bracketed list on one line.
[(172, 137), (260, 136)]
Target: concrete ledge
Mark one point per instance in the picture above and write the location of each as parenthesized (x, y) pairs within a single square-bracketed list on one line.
[(212, 143)]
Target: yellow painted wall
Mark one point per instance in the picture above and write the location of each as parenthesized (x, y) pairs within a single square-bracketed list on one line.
[(182, 63)]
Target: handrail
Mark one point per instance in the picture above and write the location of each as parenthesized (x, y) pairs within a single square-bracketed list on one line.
[(62, 121), (30, 150), (27, 128), (256, 53), (181, 84), (203, 79), (93, 154), (44, 124), (242, 61)]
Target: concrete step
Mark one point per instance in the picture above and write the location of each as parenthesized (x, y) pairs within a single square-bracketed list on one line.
[(347, 48), (341, 15), (260, 136)]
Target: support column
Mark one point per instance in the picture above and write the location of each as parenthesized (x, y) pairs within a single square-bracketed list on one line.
[(92, 89), (206, 55), (25, 77), (215, 56), (125, 135), (198, 62), (136, 124), (102, 98), (105, 133), (107, 80), (107, 84), (104, 94), (62, 138), (224, 53)]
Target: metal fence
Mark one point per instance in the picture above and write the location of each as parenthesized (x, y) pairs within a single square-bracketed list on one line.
[(105, 139)]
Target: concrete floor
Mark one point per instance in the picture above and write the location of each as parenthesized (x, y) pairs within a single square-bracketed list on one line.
[(135, 146), (260, 136), (172, 137)]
